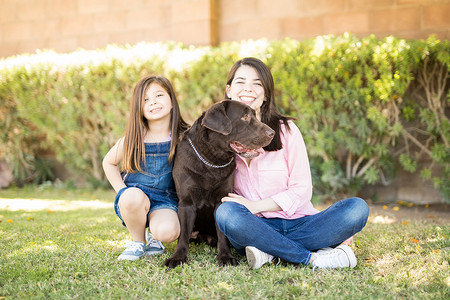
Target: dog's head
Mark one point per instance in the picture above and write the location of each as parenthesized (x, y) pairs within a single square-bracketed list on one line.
[(238, 126)]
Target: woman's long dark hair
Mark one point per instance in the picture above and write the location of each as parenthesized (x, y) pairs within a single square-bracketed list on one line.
[(137, 126), (269, 112)]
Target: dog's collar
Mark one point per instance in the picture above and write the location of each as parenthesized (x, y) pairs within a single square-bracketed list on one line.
[(205, 161)]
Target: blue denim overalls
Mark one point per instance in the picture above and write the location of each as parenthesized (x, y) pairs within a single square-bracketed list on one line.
[(155, 181)]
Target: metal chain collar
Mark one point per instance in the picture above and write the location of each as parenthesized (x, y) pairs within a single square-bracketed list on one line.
[(205, 161)]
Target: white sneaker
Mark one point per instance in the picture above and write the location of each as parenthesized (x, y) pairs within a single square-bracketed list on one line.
[(339, 257), (134, 251), (153, 246), (256, 258)]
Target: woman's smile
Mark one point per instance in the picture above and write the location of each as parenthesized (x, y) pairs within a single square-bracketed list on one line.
[(247, 87)]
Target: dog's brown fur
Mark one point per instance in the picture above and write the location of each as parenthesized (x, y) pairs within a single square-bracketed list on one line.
[(200, 187)]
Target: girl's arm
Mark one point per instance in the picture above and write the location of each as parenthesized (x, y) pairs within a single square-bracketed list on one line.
[(110, 165)]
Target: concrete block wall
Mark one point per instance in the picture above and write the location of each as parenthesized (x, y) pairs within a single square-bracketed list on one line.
[(66, 25), (305, 19)]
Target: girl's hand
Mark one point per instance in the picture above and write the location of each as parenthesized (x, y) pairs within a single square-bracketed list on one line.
[(241, 200)]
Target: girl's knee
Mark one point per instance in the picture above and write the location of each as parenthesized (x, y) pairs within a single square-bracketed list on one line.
[(164, 225), (133, 198), (166, 232)]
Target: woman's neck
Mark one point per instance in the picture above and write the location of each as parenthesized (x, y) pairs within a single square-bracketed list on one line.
[(258, 114)]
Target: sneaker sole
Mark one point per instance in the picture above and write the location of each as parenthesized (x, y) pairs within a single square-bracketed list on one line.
[(153, 252), (128, 257), (251, 258), (350, 255)]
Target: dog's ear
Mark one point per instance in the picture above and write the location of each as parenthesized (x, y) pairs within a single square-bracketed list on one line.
[(216, 119)]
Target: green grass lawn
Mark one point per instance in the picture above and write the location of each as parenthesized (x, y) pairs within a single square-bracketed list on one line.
[(64, 245)]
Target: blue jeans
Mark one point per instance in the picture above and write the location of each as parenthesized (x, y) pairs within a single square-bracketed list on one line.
[(292, 240)]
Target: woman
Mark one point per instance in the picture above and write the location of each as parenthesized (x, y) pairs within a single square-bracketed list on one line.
[(271, 214)]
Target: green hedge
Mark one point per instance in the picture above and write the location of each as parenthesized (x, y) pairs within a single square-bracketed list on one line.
[(364, 105)]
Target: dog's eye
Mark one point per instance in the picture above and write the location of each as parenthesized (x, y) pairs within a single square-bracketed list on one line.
[(246, 118)]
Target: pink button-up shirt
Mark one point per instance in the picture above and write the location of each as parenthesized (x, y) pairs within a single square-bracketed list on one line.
[(282, 175)]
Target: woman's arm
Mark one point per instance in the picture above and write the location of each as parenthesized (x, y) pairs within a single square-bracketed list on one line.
[(254, 207), (110, 165)]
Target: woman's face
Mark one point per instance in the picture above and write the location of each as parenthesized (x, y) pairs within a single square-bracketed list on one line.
[(247, 88), (157, 104)]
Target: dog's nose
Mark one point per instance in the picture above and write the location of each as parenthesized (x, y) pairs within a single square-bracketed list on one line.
[(270, 133)]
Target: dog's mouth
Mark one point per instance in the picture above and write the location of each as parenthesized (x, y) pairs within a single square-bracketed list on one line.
[(243, 150)]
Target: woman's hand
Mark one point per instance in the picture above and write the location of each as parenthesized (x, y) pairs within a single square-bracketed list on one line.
[(254, 207), (348, 241), (250, 205)]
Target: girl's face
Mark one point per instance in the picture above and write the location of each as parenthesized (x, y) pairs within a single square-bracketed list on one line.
[(157, 104), (247, 88)]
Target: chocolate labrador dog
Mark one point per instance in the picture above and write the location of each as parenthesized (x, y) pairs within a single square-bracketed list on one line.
[(203, 171)]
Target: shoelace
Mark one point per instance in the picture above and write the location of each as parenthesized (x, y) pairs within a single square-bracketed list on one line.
[(133, 246), (278, 261), (271, 259), (155, 243)]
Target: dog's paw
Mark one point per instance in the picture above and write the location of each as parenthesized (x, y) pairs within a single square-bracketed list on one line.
[(175, 261), (227, 260)]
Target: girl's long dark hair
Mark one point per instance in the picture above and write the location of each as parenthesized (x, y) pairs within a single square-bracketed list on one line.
[(137, 126), (269, 112)]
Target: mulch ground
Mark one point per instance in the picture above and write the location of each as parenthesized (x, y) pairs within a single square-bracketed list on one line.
[(406, 212), (400, 212)]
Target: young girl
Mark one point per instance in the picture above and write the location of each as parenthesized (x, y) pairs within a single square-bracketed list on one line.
[(145, 189), (271, 214)]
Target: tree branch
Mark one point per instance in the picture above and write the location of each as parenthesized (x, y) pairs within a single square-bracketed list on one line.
[(366, 166), (415, 141)]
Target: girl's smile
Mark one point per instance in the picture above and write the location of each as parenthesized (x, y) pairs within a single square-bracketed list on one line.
[(156, 109), (157, 103)]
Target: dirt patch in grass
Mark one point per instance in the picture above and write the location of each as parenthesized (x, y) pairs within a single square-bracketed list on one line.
[(389, 213), (379, 213), (406, 212), (53, 205)]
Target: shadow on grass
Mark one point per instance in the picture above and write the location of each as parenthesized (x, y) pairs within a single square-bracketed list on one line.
[(53, 205)]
